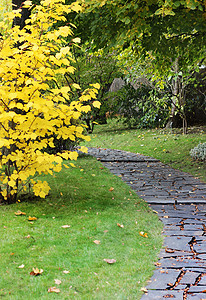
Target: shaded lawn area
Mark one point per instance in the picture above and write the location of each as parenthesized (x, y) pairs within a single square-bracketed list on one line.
[(170, 148), (81, 198)]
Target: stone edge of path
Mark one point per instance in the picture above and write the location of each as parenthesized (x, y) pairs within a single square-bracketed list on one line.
[(181, 270)]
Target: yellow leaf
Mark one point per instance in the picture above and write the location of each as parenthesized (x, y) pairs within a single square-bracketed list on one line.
[(21, 266), (20, 213), (53, 290), (73, 155), (36, 272), (120, 225), (57, 281), (143, 234), (96, 242), (144, 290), (76, 86), (65, 226), (32, 218), (110, 261), (96, 104), (76, 40), (66, 166), (96, 85), (83, 149)]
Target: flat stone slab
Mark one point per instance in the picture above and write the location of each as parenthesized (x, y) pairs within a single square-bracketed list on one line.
[(179, 199), (159, 294)]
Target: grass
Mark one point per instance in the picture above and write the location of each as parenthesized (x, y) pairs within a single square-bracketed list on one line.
[(81, 198), (170, 148)]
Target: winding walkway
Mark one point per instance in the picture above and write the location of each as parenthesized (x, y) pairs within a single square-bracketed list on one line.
[(180, 200)]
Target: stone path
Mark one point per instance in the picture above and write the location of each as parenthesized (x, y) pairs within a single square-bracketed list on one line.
[(180, 200)]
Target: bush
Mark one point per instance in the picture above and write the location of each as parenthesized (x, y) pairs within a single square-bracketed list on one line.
[(143, 107), (199, 152), (32, 110)]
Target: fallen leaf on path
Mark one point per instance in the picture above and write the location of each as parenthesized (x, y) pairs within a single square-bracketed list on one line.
[(170, 296), (65, 226), (66, 272), (144, 234), (20, 213), (53, 290), (96, 242), (32, 218), (169, 250), (57, 281), (119, 225), (36, 272), (157, 264), (143, 289), (110, 261), (111, 189), (166, 217), (21, 267)]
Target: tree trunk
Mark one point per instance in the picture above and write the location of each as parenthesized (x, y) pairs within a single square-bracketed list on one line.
[(178, 98)]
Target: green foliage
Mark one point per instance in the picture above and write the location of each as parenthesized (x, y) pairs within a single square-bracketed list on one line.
[(99, 67), (199, 152), (144, 107)]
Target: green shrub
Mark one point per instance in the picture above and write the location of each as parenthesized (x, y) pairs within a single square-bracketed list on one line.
[(199, 152), (144, 107)]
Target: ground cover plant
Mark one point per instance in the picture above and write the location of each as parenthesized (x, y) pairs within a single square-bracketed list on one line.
[(90, 215), (170, 146)]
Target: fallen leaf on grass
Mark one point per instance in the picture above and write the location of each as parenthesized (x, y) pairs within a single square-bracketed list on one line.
[(66, 272), (36, 272), (111, 189), (143, 289), (53, 290), (96, 242), (20, 213), (65, 226), (21, 267), (119, 225), (110, 261), (32, 218), (57, 281), (144, 234)]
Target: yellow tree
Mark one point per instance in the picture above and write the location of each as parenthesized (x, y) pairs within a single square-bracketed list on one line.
[(32, 109)]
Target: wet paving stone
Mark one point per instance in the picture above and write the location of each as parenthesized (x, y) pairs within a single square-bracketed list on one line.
[(158, 294), (180, 202)]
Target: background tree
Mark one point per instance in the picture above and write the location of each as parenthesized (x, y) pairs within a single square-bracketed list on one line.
[(170, 33)]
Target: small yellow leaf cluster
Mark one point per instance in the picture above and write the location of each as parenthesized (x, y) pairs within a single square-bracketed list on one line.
[(32, 108)]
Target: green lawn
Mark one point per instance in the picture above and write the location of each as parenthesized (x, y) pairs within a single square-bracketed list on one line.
[(81, 198), (171, 148)]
